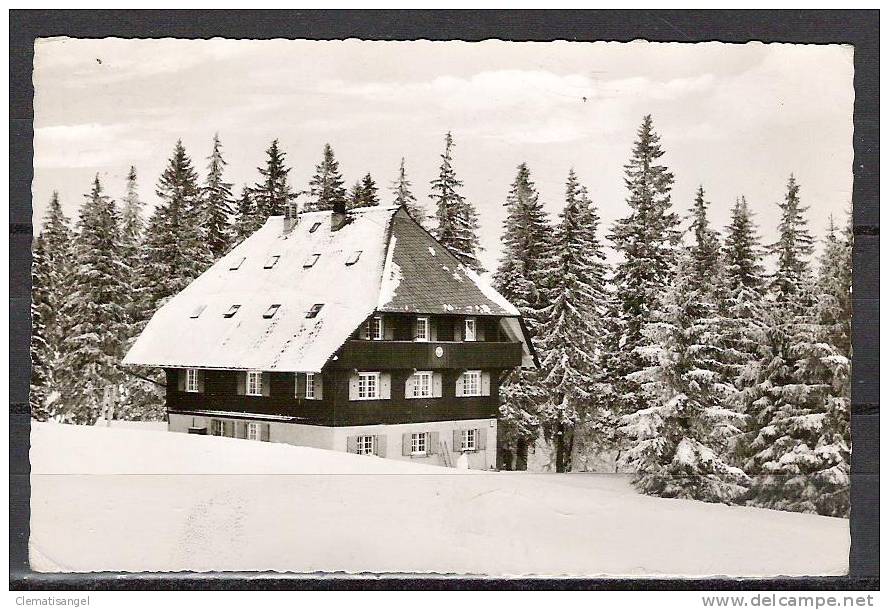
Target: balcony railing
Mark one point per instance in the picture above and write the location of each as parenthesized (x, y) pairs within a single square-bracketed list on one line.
[(429, 355)]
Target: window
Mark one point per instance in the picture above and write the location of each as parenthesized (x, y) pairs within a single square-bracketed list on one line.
[(311, 260), (469, 329), (191, 380), (231, 311), (353, 258), (467, 440), (472, 383), (236, 263), (252, 431), (314, 227), (198, 311), (216, 427), (374, 329), (422, 329), (254, 383), (271, 311), (310, 386), (368, 386), (313, 312), (272, 261), (365, 445), (419, 443), (422, 384)]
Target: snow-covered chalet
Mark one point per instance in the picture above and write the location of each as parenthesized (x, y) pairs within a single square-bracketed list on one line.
[(352, 331)]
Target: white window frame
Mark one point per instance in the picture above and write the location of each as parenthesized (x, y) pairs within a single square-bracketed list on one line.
[(257, 377), (191, 380), (468, 440), (217, 427), (375, 333), (423, 322), (365, 387), (468, 378), (467, 324), (310, 386), (418, 376), (254, 432), (419, 443), (365, 444)]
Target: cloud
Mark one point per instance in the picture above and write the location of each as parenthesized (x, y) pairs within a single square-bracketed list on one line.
[(86, 145)]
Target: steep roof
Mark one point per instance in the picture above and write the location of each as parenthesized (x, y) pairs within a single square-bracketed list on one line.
[(400, 268)]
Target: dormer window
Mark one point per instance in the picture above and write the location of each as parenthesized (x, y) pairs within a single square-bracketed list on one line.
[(311, 260), (236, 264), (353, 258), (271, 311), (313, 312), (469, 329), (198, 311), (422, 333), (272, 261), (314, 227), (373, 329), (231, 311)]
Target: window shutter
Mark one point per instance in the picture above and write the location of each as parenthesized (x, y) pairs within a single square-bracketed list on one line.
[(406, 443), (458, 330), (388, 328), (180, 381), (436, 385), (409, 386), (319, 386), (241, 428), (458, 440), (266, 384), (242, 383), (264, 432), (414, 329), (353, 386), (433, 330), (300, 385), (351, 444), (364, 331), (380, 445), (228, 428), (481, 439), (486, 383), (458, 388), (385, 386), (432, 443), (201, 384), (480, 329)]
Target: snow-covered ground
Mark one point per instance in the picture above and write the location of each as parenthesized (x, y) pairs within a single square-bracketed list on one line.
[(112, 498)]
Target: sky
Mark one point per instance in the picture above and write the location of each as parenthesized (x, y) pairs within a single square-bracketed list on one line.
[(737, 119)]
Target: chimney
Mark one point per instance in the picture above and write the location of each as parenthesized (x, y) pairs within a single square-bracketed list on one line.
[(291, 217), (339, 217)]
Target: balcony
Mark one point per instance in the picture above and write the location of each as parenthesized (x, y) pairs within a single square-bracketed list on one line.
[(429, 355)]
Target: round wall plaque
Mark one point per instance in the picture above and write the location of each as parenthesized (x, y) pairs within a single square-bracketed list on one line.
[(439, 351)]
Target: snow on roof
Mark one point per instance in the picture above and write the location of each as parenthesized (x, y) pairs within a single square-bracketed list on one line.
[(399, 270)]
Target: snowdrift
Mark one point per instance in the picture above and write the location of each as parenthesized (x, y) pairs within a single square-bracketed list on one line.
[(131, 500)]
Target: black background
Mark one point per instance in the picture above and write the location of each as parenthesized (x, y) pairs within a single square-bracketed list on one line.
[(857, 27)]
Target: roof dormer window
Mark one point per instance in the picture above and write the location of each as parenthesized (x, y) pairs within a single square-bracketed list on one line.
[(311, 260), (198, 311), (314, 227), (353, 258), (313, 312), (236, 264), (271, 311), (272, 261), (231, 311)]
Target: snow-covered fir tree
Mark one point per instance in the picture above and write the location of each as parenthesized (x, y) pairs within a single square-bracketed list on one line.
[(794, 246), (175, 249), (456, 219), (520, 279), (51, 285), (96, 312), (402, 195), (647, 242), (272, 193), (705, 247), (680, 441), (217, 199), (353, 197), (247, 220), (326, 186), (369, 196), (577, 300)]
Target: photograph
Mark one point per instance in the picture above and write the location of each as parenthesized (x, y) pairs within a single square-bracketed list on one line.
[(441, 307)]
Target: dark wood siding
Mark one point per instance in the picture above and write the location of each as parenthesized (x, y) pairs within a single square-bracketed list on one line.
[(422, 355)]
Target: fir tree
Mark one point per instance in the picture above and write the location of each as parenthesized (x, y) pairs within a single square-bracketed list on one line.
[(520, 278), (402, 195), (96, 311), (272, 194), (41, 358), (369, 189), (705, 250), (794, 245), (353, 198), (577, 299), (647, 241), (246, 218), (457, 220), (326, 187), (217, 194)]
